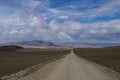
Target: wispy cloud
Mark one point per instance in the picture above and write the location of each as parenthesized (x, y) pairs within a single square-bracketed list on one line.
[(107, 9)]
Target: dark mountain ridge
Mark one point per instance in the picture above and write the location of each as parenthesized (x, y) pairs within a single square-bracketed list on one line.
[(10, 48)]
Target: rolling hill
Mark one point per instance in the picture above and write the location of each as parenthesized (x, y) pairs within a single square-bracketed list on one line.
[(10, 48)]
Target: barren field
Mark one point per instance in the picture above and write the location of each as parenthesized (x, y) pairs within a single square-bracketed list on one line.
[(70, 67), (109, 57), (14, 61)]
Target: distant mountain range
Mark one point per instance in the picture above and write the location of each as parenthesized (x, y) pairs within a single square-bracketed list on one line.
[(40, 43), (86, 44), (31, 43)]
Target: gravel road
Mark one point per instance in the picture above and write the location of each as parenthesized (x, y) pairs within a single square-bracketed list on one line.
[(70, 67)]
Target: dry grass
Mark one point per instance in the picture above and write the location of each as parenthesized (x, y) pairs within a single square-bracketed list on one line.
[(109, 57), (14, 61)]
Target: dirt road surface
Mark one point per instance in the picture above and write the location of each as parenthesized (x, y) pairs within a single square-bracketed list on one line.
[(69, 68)]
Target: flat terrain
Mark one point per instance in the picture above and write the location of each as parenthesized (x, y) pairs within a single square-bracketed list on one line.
[(14, 61), (109, 57), (70, 67)]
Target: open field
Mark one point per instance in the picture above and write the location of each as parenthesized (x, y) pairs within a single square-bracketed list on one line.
[(109, 57), (71, 67), (14, 61)]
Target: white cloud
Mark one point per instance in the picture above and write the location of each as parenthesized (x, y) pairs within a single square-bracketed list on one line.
[(72, 6), (56, 11), (108, 8), (63, 36), (72, 25), (35, 22), (33, 4), (64, 17), (10, 19), (9, 15), (69, 31), (54, 26), (74, 14)]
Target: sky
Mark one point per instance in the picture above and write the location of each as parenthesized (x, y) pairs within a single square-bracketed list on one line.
[(87, 21)]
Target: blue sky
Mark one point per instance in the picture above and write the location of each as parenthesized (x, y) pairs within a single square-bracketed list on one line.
[(90, 21)]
